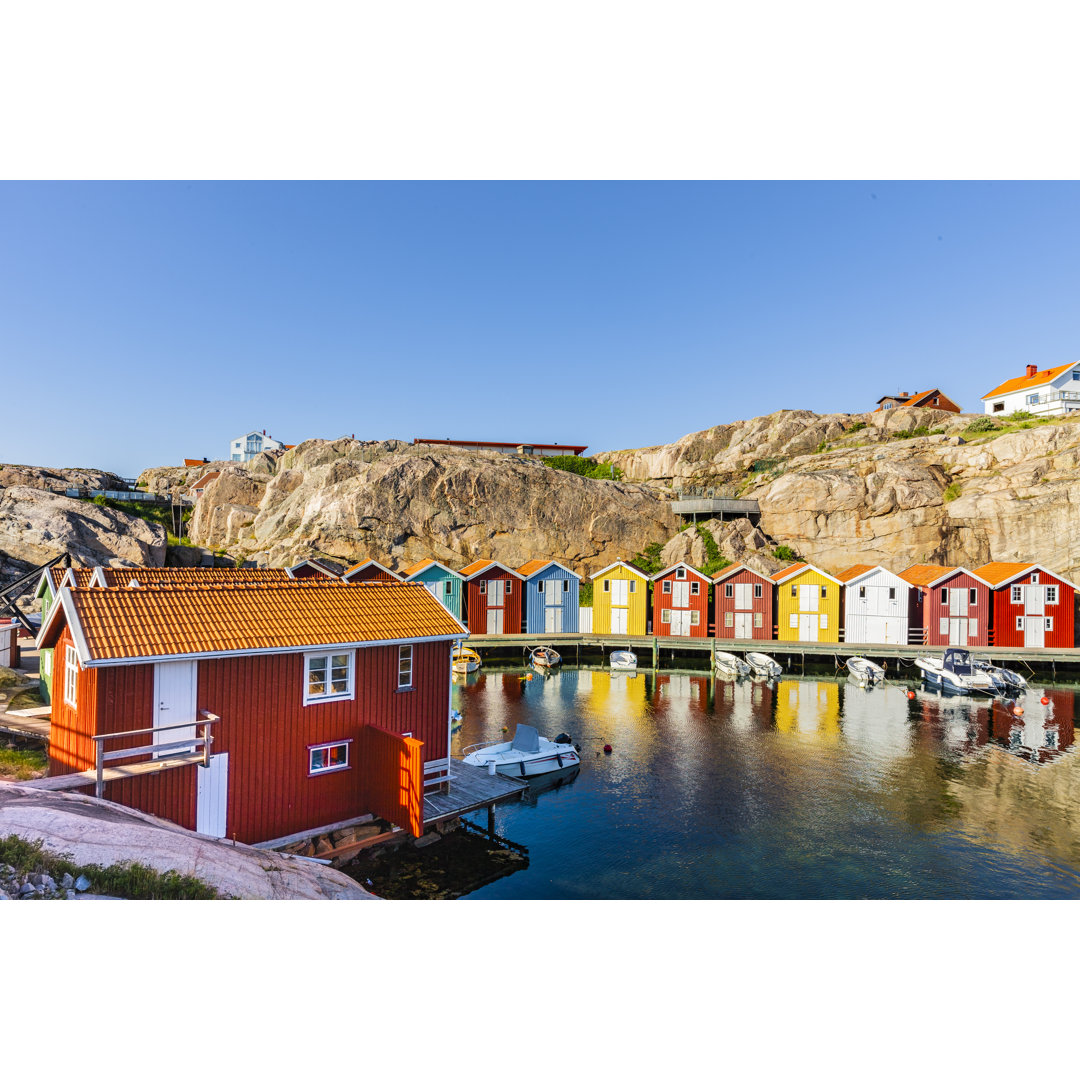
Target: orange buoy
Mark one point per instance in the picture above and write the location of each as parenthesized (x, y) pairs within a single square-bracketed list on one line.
[(1044, 700), (911, 695), (1018, 710), (607, 748)]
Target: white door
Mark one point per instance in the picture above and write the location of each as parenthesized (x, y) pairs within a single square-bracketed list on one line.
[(174, 703), (743, 601), (680, 594), (744, 623), (958, 631), (620, 593), (680, 623), (892, 631), (1034, 631), (619, 619), (1035, 600), (495, 620), (552, 620), (808, 600), (495, 593), (212, 798), (958, 599), (808, 627)]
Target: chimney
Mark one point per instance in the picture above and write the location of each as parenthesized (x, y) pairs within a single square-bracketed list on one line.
[(264, 431), (1031, 369)]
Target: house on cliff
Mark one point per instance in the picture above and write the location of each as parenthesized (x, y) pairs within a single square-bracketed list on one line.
[(925, 399), (1051, 392), (325, 701)]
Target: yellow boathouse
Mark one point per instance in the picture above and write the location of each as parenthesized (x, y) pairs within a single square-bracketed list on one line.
[(620, 600), (807, 604)]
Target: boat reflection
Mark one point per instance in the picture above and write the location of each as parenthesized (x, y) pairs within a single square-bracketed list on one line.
[(540, 785)]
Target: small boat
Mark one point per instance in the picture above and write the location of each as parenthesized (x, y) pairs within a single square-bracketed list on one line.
[(1012, 681), (730, 664), (865, 671), (465, 660), (544, 657), (529, 754), (623, 660), (760, 664), (955, 673)]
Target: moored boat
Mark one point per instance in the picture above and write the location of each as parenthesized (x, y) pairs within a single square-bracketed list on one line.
[(528, 754), (730, 664), (865, 671), (623, 660), (1012, 681), (544, 656), (955, 673), (465, 660), (760, 664)]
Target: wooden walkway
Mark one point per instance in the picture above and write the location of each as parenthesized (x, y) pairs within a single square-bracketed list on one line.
[(73, 781), (470, 789)]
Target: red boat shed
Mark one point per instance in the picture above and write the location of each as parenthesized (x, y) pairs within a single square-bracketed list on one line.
[(949, 605), (1033, 608), (492, 598), (744, 604), (369, 570), (680, 602), (314, 568), (324, 702)]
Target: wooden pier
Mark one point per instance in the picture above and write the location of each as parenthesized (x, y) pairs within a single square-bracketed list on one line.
[(470, 789)]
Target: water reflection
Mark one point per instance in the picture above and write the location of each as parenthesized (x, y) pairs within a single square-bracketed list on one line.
[(802, 787)]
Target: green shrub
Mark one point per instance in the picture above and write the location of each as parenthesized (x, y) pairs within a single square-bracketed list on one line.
[(648, 561), (765, 464), (585, 594), (952, 492), (714, 561), (785, 553), (857, 426), (100, 500), (1020, 414), (583, 466), (981, 423)]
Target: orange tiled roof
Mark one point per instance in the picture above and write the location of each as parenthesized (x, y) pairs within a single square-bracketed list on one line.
[(1027, 382), (853, 571), (996, 572), (531, 567), (190, 620), (476, 567), (781, 574), (923, 573), (184, 575)]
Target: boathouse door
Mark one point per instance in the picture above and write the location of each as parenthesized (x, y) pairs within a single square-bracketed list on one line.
[(743, 601), (619, 619), (212, 798), (680, 623), (1034, 631), (552, 618), (744, 623), (174, 703), (494, 620), (808, 626), (680, 594), (808, 601)]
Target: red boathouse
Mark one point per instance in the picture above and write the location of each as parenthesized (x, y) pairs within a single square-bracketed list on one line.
[(492, 598), (948, 606), (332, 699), (680, 602), (1033, 608), (744, 604), (369, 570)]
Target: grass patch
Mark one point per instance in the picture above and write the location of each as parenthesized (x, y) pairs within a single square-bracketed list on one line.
[(153, 513), (953, 491), (132, 881), (857, 426), (714, 561), (30, 698), (22, 759)]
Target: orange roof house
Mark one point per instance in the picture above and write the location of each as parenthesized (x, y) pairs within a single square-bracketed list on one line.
[(925, 399), (1051, 392)]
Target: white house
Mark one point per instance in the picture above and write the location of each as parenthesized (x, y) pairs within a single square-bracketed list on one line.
[(877, 604), (1052, 392), (247, 446)]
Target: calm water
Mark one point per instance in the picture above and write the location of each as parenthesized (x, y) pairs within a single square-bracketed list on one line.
[(805, 788)]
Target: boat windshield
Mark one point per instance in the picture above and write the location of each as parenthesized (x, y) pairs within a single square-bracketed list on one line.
[(958, 661)]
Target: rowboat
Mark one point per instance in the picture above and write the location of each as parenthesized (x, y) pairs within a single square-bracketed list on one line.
[(865, 671), (623, 660), (529, 754), (465, 660), (730, 664), (760, 664), (544, 657)]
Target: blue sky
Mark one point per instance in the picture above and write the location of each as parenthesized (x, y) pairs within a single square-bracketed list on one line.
[(141, 323)]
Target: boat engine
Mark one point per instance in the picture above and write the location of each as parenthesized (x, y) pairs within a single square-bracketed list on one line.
[(563, 739)]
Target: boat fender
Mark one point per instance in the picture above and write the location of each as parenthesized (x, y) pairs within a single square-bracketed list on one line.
[(521, 765), (558, 758), (607, 748), (911, 695), (1044, 700)]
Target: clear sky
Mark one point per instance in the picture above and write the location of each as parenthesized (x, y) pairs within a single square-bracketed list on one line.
[(141, 323)]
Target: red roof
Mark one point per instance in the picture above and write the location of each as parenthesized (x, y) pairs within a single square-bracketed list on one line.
[(480, 443)]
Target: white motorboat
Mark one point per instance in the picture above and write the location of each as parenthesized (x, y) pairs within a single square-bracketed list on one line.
[(544, 657), (730, 664), (761, 664), (623, 660), (529, 754), (1012, 681), (865, 671), (954, 673), (465, 660)]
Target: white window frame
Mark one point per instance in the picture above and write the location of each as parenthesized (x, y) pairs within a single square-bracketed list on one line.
[(1035, 578), (448, 588), (1049, 622), (862, 592), (729, 618), (759, 620), (71, 677), (665, 615), (1019, 622), (823, 621), (1051, 591), (404, 656), (483, 588), (729, 590), (509, 586), (1018, 594), (695, 617), (328, 654), (695, 588), (666, 588), (46, 660), (794, 623), (312, 750), (680, 573), (758, 592), (973, 597), (944, 597)]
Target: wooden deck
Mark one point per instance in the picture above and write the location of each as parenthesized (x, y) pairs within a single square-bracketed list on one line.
[(470, 789), (118, 772)]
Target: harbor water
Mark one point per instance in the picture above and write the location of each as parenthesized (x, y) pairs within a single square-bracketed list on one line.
[(800, 788)]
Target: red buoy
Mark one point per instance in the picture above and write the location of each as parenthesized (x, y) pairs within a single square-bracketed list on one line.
[(1044, 700), (1018, 710), (607, 748), (911, 695)]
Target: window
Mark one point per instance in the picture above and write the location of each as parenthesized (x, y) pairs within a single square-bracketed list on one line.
[(509, 586), (729, 618), (823, 591), (46, 661), (794, 623), (862, 592), (633, 586), (1033, 399), (539, 586), (695, 618), (1076, 374), (944, 596), (607, 585), (667, 588), (681, 573), (1049, 622), (1035, 578), (665, 615), (794, 590), (934, 402), (757, 592), (329, 677), (328, 758), (999, 406), (565, 584), (973, 598), (887, 405), (695, 588), (404, 666), (448, 588), (1018, 594), (483, 588), (729, 590), (236, 457), (824, 622), (1051, 594), (71, 677), (254, 444), (758, 619), (1019, 622)]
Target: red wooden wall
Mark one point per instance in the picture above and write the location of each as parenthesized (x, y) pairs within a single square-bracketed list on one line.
[(370, 573), (699, 603), (762, 604), (1005, 613), (933, 610), (476, 606)]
